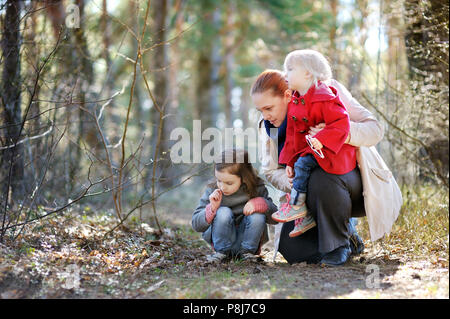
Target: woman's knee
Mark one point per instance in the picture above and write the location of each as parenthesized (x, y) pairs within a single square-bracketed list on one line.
[(327, 191), (321, 183)]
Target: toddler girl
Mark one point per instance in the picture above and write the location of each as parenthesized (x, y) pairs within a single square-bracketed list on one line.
[(312, 102), (233, 210)]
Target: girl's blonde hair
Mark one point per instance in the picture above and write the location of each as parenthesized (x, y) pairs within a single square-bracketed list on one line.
[(236, 162), (314, 62)]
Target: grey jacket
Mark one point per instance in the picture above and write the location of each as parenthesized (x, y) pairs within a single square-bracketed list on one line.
[(236, 203)]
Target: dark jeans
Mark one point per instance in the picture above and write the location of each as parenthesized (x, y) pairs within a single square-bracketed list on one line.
[(302, 168), (331, 200)]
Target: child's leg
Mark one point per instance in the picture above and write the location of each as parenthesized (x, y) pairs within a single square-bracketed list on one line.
[(296, 207), (302, 169), (223, 230), (253, 228)]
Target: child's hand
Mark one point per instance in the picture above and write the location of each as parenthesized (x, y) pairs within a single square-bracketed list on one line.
[(316, 143), (289, 172), (215, 199), (249, 208), (313, 130)]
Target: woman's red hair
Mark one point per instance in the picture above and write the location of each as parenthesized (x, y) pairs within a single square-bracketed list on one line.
[(272, 80)]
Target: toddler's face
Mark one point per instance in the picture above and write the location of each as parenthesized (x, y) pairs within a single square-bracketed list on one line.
[(227, 183), (298, 78)]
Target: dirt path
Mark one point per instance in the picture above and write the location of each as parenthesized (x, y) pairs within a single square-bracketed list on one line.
[(376, 273)]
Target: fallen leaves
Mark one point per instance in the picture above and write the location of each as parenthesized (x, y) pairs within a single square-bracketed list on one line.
[(66, 257), (71, 256), (12, 294)]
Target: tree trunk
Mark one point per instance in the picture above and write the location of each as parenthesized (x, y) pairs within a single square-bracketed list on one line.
[(109, 77), (395, 28), (159, 71), (214, 76), (12, 170), (105, 28), (172, 110), (175, 58), (34, 124), (334, 57), (426, 34), (134, 21), (229, 62), (66, 80), (55, 10), (208, 61), (88, 130), (355, 75)]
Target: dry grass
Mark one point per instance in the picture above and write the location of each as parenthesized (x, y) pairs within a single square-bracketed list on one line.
[(422, 228)]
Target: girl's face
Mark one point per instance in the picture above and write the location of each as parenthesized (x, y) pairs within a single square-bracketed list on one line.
[(227, 183), (272, 107), (298, 78)]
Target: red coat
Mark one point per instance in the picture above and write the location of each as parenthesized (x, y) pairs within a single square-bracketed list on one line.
[(319, 105)]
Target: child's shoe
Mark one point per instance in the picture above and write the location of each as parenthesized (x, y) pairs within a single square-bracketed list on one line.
[(287, 213), (216, 257), (249, 257), (302, 225)]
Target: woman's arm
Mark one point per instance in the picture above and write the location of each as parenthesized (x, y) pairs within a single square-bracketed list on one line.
[(365, 130), (268, 157)]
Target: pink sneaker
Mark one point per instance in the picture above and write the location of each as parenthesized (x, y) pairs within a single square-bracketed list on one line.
[(288, 213), (302, 225)]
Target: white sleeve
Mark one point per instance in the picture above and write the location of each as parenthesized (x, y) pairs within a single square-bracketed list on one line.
[(268, 157), (365, 130)]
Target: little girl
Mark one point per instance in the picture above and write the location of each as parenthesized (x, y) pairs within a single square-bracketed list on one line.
[(233, 210), (312, 103)]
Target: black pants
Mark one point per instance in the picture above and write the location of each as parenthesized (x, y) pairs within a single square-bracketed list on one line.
[(331, 200)]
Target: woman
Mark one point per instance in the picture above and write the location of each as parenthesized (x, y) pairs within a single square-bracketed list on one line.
[(331, 199)]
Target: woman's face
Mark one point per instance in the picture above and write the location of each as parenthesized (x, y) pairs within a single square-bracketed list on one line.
[(272, 107)]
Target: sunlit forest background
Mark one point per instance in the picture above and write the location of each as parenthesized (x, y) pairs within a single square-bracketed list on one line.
[(91, 90)]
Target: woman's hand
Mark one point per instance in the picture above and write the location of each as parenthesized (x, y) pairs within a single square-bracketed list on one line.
[(215, 199)]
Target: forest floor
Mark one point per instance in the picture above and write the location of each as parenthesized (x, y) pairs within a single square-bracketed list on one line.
[(69, 257)]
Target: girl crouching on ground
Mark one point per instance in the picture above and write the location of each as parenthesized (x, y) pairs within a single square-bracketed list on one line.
[(234, 208)]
